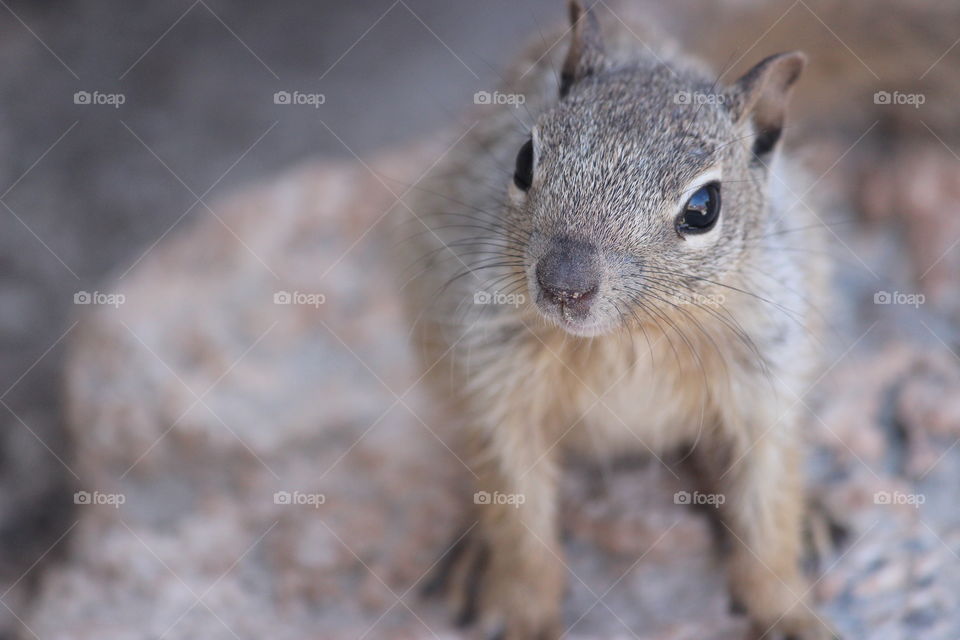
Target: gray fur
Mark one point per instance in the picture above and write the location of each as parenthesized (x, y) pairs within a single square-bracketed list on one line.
[(688, 340)]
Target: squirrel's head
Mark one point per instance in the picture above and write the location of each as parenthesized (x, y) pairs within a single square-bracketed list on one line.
[(644, 185)]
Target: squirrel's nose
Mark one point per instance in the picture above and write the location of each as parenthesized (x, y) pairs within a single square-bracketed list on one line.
[(569, 275)]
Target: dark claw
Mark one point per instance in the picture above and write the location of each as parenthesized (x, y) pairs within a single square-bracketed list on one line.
[(467, 616), (472, 593), (439, 581), (839, 534), (737, 607)]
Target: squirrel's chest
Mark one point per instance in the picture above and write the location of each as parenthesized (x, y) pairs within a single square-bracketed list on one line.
[(653, 400)]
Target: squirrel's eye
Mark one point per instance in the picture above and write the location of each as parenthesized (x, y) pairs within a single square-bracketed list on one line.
[(523, 173), (701, 211)]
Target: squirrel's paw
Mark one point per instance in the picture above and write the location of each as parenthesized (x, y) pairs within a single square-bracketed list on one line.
[(825, 533), (497, 598), (798, 624), (777, 605)]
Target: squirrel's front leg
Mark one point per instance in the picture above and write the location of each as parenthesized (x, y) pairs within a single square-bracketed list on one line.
[(509, 578), (763, 513)]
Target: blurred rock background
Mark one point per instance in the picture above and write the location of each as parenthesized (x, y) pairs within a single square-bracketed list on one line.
[(87, 190), (199, 398)]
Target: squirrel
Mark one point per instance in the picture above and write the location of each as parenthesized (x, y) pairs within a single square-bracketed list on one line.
[(619, 277)]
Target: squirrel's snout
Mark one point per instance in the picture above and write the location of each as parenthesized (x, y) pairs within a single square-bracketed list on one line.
[(569, 275)]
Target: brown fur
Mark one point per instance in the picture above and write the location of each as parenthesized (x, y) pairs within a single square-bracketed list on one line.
[(653, 371)]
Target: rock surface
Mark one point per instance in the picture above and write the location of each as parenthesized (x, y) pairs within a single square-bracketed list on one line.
[(282, 475)]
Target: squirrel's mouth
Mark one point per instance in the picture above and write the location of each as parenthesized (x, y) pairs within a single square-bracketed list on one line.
[(581, 328), (578, 320)]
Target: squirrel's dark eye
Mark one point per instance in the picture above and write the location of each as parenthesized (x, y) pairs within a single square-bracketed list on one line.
[(523, 173), (701, 211)]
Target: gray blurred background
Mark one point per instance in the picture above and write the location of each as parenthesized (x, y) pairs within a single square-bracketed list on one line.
[(87, 189)]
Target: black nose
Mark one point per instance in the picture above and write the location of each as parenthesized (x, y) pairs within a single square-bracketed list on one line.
[(569, 274)]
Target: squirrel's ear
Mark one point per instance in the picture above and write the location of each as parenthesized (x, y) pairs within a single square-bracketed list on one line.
[(586, 47), (762, 94)]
